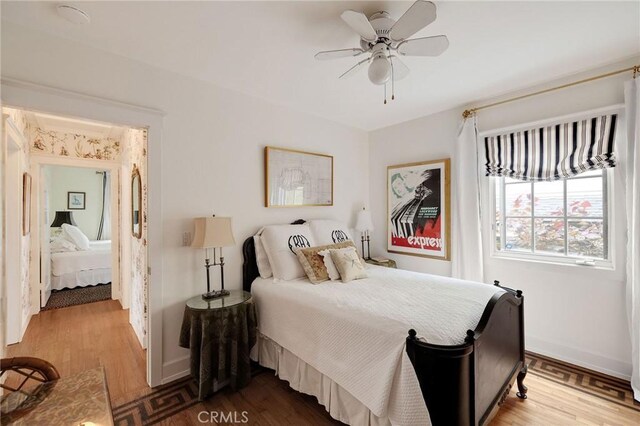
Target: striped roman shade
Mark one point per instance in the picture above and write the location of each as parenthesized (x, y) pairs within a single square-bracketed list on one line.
[(553, 152)]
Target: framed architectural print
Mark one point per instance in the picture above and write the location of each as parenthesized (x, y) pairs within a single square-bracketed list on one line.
[(297, 178), (419, 209), (26, 203), (76, 200)]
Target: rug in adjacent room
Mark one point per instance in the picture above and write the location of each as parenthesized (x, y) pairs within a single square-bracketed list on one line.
[(78, 296)]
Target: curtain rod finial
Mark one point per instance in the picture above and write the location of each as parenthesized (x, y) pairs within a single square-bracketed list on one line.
[(468, 113)]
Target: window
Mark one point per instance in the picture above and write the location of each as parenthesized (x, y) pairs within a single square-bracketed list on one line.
[(563, 220)]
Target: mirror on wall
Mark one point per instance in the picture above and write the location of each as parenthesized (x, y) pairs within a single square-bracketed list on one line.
[(136, 203)]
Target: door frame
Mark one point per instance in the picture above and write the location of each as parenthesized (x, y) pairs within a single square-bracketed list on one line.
[(37, 163), (36, 97), (12, 146)]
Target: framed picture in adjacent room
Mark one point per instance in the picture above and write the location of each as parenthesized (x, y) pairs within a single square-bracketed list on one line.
[(26, 204), (419, 209), (76, 200), (297, 178)]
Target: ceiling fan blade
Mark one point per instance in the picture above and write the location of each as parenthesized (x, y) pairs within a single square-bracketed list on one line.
[(354, 69), (419, 15), (360, 24), (400, 70), (425, 46), (340, 53)]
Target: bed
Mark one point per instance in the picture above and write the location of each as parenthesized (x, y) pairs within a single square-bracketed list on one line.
[(82, 268), (395, 348)]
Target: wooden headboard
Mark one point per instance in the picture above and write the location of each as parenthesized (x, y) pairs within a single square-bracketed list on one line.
[(249, 263)]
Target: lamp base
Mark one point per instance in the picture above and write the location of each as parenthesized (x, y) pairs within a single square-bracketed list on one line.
[(215, 294)]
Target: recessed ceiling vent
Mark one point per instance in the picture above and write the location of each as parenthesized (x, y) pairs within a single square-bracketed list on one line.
[(73, 14)]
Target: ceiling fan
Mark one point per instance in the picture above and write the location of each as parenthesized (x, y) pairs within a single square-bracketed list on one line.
[(386, 40)]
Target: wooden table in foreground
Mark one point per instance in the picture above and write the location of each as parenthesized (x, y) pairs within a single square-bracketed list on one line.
[(75, 400)]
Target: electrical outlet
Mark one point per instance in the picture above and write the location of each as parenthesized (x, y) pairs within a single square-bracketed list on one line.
[(186, 239)]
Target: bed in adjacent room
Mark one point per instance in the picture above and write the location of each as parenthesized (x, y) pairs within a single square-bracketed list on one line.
[(346, 342), (79, 263)]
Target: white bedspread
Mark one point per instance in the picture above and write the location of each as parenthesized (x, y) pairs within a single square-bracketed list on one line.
[(69, 262), (355, 333)]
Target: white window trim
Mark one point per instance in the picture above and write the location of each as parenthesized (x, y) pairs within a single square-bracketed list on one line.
[(607, 264)]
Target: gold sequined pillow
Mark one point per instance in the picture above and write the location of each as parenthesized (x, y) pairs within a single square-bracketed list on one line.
[(313, 263)]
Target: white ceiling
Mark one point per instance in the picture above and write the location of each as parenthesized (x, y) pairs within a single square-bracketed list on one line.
[(266, 48)]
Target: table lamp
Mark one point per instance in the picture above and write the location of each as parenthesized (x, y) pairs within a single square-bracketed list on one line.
[(61, 218), (212, 233), (364, 224)]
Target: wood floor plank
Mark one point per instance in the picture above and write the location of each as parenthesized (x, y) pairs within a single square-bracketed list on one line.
[(86, 336)]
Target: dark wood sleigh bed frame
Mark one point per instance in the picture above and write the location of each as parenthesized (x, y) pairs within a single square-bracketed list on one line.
[(461, 384)]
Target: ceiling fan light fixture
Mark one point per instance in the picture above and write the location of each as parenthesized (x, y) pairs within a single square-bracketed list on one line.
[(380, 70)]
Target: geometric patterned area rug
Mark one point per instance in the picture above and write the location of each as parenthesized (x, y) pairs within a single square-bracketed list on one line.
[(591, 382), (160, 404), (182, 394), (78, 296)]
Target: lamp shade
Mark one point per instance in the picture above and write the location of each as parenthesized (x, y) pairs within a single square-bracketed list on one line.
[(364, 222), (63, 217), (212, 232)]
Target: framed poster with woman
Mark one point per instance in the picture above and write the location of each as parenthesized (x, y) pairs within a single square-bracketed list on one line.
[(419, 209)]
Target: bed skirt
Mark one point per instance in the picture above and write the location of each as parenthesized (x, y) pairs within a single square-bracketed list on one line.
[(302, 377), (87, 278)]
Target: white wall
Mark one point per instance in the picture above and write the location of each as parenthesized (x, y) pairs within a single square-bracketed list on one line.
[(77, 179), (573, 313), (213, 142)]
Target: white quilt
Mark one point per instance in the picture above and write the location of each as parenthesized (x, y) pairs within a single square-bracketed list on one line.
[(354, 333), (70, 262)]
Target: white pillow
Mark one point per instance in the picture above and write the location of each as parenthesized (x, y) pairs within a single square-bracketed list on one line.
[(264, 267), (328, 232), (280, 242), (76, 236), (334, 275), (61, 245)]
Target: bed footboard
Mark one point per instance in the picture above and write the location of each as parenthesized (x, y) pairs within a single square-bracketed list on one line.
[(464, 384)]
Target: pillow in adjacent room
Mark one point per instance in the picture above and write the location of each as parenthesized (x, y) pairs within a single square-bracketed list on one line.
[(313, 263), (332, 271), (348, 264), (280, 242), (61, 245), (76, 236), (264, 267), (329, 231)]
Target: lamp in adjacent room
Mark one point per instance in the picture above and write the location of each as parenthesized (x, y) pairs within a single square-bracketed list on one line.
[(364, 224), (60, 219), (213, 233)]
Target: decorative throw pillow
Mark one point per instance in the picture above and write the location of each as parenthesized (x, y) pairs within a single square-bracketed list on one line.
[(76, 236), (264, 267), (312, 261), (348, 263), (329, 231), (332, 271), (280, 243), (61, 245)]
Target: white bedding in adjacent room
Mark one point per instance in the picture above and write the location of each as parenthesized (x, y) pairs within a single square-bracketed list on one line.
[(355, 333), (82, 268)]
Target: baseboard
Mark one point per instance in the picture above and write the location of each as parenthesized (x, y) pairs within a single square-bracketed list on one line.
[(581, 358), (176, 369)]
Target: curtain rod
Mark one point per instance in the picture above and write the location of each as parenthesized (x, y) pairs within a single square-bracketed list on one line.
[(469, 112)]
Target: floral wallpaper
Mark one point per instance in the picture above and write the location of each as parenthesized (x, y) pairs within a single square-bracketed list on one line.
[(74, 145), (18, 117), (135, 156)]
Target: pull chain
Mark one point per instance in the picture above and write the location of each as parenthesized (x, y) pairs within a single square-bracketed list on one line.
[(385, 93), (393, 85)]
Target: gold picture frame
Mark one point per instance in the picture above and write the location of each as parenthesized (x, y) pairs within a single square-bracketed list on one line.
[(409, 187), (26, 204), (137, 213), (320, 179)]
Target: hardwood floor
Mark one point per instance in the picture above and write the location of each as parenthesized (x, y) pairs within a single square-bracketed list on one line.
[(86, 336)]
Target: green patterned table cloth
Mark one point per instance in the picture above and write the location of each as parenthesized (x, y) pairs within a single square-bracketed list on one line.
[(220, 341)]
